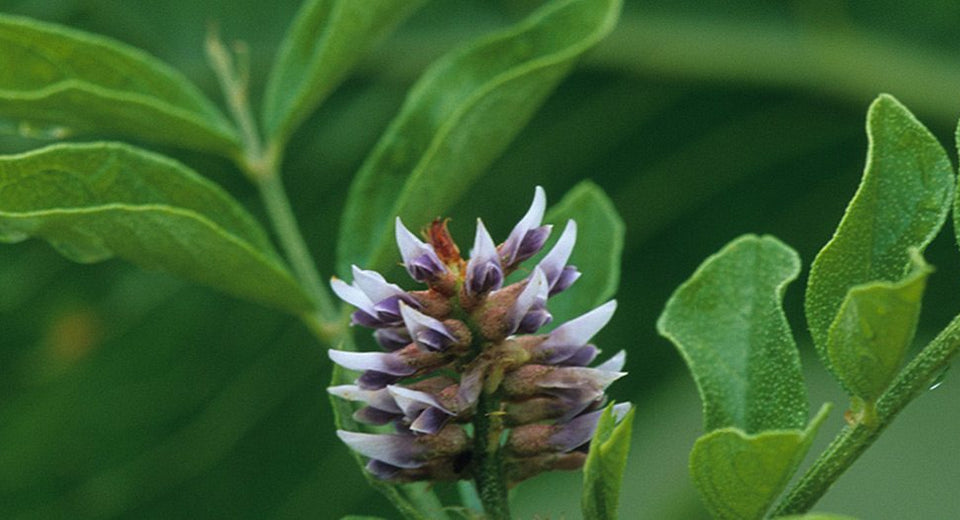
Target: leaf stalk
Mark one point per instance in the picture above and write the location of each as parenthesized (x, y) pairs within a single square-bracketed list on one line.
[(853, 440)]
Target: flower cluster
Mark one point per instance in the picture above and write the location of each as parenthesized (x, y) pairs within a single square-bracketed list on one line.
[(463, 374)]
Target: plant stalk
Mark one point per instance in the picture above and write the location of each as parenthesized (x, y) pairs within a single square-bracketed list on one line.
[(262, 165), (489, 476), (913, 381)]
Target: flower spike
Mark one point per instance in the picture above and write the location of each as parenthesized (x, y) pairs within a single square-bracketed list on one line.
[(462, 375)]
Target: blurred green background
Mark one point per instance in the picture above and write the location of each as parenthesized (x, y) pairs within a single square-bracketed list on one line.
[(129, 394)]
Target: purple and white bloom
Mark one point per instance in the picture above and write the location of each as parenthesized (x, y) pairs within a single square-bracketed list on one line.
[(393, 338), (529, 312), (380, 409), (528, 236), (419, 258), (376, 300), (579, 431), (535, 439), (567, 344), (402, 451), (425, 413), (466, 342), (406, 450), (484, 272), (427, 332), (560, 275)]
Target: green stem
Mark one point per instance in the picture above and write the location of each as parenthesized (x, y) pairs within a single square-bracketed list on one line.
[(262, 165), (852, 441), (285, 224), (489, 475)]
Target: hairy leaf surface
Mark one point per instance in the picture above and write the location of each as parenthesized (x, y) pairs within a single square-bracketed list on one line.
[(739, 475), (901, 204), (728, 324)]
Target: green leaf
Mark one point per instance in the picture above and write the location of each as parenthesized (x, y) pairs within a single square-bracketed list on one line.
[(457, 119), (875, 325), (600, 233), (95, 201), (606, 462), (728, 324), (739, 475), (901, 204), (325, 41), (65, 81), (358, 517)]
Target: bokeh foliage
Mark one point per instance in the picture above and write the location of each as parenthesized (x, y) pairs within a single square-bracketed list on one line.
[(128, 394)]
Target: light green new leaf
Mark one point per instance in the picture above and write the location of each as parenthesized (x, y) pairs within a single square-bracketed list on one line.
[(326, 39), (95, 201), (63, 81), (457, 119), (600, 232), (868, 340), (739, 475), (728, 324), (606, 462), (901, 204)]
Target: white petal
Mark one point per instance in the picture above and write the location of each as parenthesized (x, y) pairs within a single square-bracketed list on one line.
[(554, 261), (579, 330), (530, 220), (374, 285), (414, 401), (376, 361), (352, 295), (417, 322), (399, 450), (614, 364), (535, 290), (620, 410), (483, 246), (379, 399), (410, 246)]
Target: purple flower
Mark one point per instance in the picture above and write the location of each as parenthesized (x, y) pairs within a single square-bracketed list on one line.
[(567, 344), (380, 409), (528, 236), (425, 413), (484, 273), (376, 300), (402, 451), (536, 439), (579, 430), (529, 311), (405, 450), (559, 275), (570, 389), (419, 258), (427, 332)]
